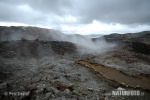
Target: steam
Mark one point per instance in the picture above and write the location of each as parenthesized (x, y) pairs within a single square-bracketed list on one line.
[(84, 44), (89, 46)]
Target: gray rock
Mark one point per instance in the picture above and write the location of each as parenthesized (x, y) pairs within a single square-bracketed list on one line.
[(53, 96), (26, 82), (22, 88), (36, 79), (32, 87), (37, 98), (41, 86), (47, 95), (67, 92), (74, 92), (3, 85), (49, 78), (55, 90), (49, 89), (39, 90), (43, 78)]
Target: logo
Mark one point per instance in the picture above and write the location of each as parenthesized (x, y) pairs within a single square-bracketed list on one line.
[(123, 92), (16, 93), (120, 89)]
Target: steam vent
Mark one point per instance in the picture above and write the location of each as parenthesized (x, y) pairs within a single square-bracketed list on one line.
[(46, 64)]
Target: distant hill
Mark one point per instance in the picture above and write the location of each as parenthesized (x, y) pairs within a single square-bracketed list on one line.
[(94, 35), (33, 33), (143, 37), (140, 42), (30, 33)]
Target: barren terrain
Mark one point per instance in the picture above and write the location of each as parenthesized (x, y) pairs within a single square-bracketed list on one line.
[(47, 67)]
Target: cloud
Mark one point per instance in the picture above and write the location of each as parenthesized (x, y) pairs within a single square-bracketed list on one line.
[(116, 11), (19, 13), (97, 27), (58, 7), (41, 12), (59, 14)]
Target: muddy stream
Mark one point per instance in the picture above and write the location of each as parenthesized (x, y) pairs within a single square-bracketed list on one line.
[(139, 81)]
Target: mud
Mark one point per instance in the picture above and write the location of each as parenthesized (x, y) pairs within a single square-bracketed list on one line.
[(139, 81)]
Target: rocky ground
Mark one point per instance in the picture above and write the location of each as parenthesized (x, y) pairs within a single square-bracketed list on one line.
[(48, 70), (54, 76), (126, 60)]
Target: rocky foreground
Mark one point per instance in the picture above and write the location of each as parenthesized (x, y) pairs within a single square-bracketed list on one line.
[(50, 73), (48, 70)]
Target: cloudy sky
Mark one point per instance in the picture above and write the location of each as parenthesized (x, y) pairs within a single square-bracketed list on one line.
[(78, 16)]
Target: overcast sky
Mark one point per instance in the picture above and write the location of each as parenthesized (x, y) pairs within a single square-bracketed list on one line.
[(78, 16)]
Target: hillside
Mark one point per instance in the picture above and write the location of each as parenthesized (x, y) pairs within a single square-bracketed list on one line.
[(47, 64)]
